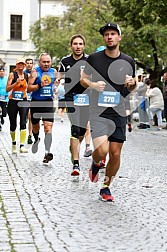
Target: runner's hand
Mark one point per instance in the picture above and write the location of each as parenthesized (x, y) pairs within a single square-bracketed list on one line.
[(130, 82), (57, 82), (99, 86)]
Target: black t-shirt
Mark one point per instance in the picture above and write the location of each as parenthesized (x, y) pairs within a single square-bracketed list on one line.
[(72, 69), (112, 71)]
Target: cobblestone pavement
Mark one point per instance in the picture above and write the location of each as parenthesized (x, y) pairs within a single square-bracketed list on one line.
[(43, 210)]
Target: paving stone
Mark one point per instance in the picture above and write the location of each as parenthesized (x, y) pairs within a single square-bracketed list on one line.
[(43, 210)]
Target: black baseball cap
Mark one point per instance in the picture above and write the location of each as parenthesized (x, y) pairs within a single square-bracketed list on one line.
[(2, 68), (110, 26)]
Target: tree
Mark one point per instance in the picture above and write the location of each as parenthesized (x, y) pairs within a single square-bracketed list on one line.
[(85, 17), (143, 24), (146, 25), (52, 34), (48, 36)]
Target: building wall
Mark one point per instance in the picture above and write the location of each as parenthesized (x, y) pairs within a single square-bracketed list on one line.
[(30, 10), (54, 7)]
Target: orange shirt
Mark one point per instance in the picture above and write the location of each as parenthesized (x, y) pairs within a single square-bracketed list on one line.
[(19, 91)]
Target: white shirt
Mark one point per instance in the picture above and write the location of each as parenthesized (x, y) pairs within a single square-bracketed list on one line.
[(156, 98)]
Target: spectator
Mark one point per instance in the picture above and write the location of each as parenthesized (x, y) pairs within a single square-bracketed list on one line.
[(165, 98), (156, 105), (142, 104), (128, 113)]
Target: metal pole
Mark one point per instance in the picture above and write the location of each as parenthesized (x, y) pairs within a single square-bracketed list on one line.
[(39, 9)]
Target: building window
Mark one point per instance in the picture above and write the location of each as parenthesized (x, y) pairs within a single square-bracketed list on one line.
[(16, 27)]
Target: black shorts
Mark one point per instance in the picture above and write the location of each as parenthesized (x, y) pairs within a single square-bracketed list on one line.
[(61, 104), (79, 117), (114, 128), (3, 106), (42, 110)]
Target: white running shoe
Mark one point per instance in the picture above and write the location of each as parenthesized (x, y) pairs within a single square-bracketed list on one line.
[(14, 150), (23, 150)]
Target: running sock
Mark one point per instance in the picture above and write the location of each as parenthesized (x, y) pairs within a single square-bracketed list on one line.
[(48, 142), (73, 138), (22, 136), (98, 163), (35, 136), (76, 162), (129, 118), (104, 186), (13, 135)]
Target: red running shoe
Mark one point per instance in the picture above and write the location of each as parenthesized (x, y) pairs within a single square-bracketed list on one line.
[(76, 170), (129, 127), (105, 195)]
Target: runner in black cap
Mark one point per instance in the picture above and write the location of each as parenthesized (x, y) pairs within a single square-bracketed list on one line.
[(110, 26), (112, 78)]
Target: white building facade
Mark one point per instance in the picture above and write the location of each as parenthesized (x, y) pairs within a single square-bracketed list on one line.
[(16, 17)]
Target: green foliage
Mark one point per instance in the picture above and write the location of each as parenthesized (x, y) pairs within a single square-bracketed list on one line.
[(144, 26), (48, 36), (143, 23), (86, 17), (52, 34)]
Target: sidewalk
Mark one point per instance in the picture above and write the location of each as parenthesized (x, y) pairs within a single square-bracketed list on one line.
[(42, 209)]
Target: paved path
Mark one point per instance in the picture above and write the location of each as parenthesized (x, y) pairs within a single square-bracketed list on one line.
[(43, 210)]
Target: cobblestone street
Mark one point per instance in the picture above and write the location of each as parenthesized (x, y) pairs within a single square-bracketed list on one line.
[(42, 209)]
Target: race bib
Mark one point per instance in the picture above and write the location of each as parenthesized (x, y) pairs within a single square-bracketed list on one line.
[(2, 98), (29, 96), (17, 95), (81, 100), (108, 99), (46, 91)]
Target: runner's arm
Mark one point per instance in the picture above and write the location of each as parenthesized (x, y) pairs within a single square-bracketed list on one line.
[(58, 77), (10, 86), (31, 80), (86, 83)]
